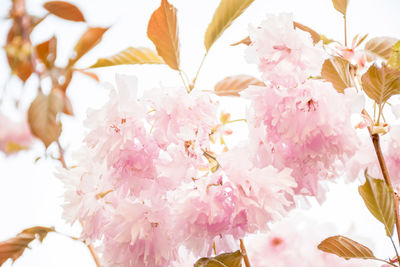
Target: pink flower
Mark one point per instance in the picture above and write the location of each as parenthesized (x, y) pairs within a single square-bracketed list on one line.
[(139, 234), (303, 130), (178, 117), (293, 242), (14, 136), (285, 56)]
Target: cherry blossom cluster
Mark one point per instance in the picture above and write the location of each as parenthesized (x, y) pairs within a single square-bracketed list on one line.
[(147, 183)]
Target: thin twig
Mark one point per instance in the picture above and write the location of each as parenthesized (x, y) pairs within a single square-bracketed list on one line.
[(395, 249), (385, 173), (244, 253)]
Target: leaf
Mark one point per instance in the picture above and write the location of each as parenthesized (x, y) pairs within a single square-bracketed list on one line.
[(380, 46), (226, 13), (131, 55), (380, 83), (64, 10), (47, 52), (245, 41), (233, 259), (42, 116), (88, 40), (316, 37), (337, 71), (394, 60), (379, 200), (14, 247), (232, 85), (12, 147), (346, 248), (163, 32), (88, 74), (341, 5)]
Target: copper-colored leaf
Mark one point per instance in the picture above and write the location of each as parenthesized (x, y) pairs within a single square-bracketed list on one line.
[(380, 83), (378, 198), (163, 32), (394, 60), (226, 13), (232, 85), (42, 116), (380, 46), (87, 41), (346, 248), (233, 259), (341, 6), (18, 50), (131, 55), (314, 35), (337, 71), (47, 52), (245, 41), (64, 10), (88, 74), (14, 247), (12, 147)]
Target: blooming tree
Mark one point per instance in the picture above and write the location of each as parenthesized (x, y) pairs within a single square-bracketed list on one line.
[(155, 182)]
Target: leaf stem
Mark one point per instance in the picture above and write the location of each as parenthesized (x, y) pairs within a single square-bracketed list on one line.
[(395, 249), (244, 252), (183, 81), (198, 72), (61, 151), (385, 173), (345, 30), (236, 121)]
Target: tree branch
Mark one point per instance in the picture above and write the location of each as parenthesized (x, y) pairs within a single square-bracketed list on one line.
[(244, 252)]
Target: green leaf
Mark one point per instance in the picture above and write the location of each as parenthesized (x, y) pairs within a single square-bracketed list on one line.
[(232, 85), (394, 60), (42, 116), (346, 248), (380, 83), (163, 32), (380, 46), (131, 55), (14, 247), (337, 71), (64, 10), (226, 13), (378, 198), (341, 6), (233, 259)]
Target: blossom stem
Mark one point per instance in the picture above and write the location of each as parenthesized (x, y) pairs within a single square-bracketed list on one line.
[(385, 173), (94, 255), (244, 253), (61, 151)]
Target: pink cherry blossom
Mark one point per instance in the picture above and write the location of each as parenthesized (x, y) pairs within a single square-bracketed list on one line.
[(285, 56), (303, 130), (13, 133)]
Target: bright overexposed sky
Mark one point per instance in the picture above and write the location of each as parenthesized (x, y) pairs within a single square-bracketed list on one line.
[(31, 195)]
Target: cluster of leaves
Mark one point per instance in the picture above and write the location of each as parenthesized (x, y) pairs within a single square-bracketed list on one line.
[(26, 59)]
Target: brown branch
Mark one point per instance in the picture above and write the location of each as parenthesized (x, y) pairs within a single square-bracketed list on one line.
[(385, 173), (244, 253)]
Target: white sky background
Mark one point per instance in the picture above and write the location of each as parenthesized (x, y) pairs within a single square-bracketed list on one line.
[(30, 195)]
